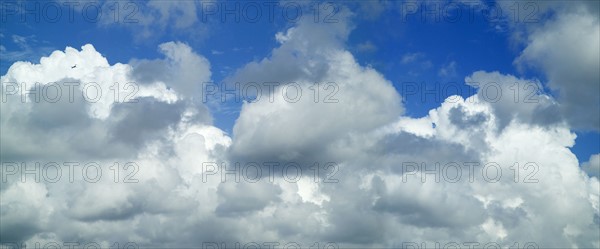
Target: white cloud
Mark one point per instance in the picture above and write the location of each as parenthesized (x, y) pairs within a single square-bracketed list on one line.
[(163, 133), (366, 47), (182, 69), (153, 19), (417, 61), (412, 57), (565, 48), (592, 166), (300, 56), (376, 202), (93, 99), (361, 98), (372, 206), (448, 70), (515, 98), (490, 210)]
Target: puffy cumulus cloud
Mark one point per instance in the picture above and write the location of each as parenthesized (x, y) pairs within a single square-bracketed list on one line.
[(182, 69), (364, 100), (592, 166), (558, 38), (149, 146), (561, 39), (522, 22), (158, 144), (74, 104), (515, 98), (84, 68), (351, 98), (379, 202), (29, 212), (535, 206), (167, 191), (301, 54)]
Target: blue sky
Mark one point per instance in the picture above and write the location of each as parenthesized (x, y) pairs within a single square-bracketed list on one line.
[(473, 42)]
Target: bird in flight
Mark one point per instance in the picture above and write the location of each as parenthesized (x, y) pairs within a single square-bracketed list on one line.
[(74, 66)]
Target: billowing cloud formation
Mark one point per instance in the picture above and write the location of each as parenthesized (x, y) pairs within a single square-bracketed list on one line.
[(379, 202), (379, 198), (506, 209), (106, 104), (323, 82), (592, 167), (145, 126), (183, 70), (565, 48)]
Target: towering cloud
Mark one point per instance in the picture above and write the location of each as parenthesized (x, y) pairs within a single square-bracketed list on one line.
[(565, 48)]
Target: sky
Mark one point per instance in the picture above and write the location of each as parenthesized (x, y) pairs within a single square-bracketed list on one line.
[(343, 124)]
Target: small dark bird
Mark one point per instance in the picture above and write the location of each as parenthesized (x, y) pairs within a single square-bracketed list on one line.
[(74, 66)]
